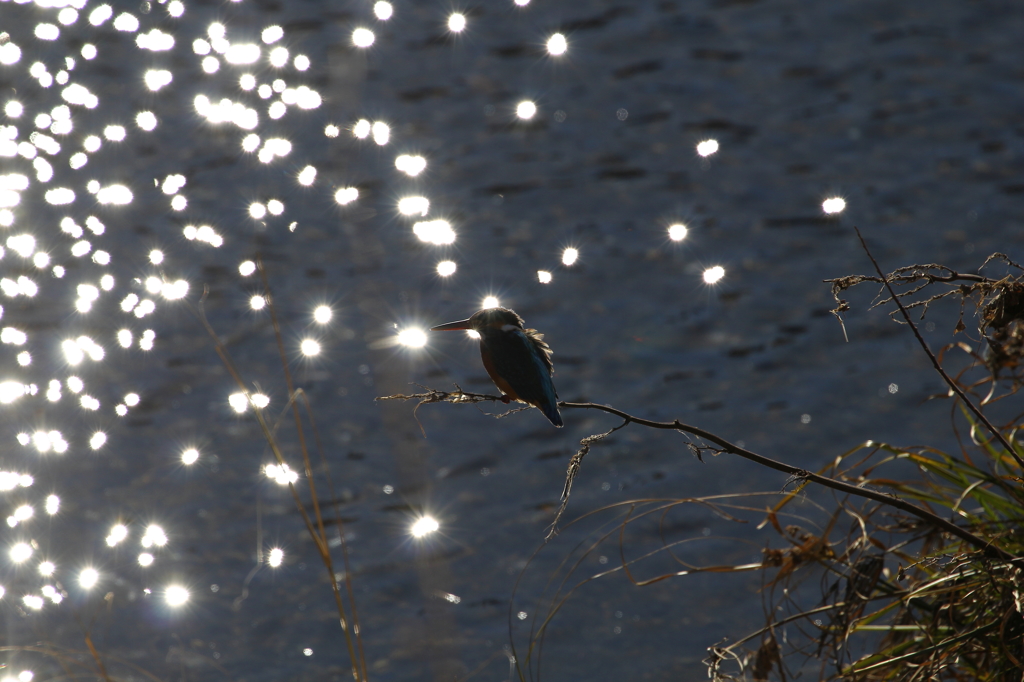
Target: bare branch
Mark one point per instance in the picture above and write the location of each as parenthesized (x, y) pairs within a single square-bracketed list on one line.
[(935, 361), (458, 397)]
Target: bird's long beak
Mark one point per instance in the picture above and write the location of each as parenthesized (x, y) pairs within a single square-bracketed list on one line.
[(451, 326)]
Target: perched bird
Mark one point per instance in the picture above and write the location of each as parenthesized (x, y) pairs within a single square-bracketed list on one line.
[(517, 359)]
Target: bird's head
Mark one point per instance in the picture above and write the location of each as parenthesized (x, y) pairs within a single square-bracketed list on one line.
[(488, 319)]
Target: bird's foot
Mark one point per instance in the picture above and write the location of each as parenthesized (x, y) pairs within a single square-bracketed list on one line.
[(505, 399)]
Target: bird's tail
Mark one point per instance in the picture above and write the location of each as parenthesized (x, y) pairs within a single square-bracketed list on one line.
[(550, 410)]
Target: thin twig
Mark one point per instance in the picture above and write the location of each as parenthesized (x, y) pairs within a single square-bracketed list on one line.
[(319, 539), (435, 396), (935, 361)]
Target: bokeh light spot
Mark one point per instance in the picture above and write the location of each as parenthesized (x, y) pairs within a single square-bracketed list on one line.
[(322, 314), (412, 338), (176, 595), (714, 274), (707, 147), (557, 44), (362, 37), (423, 526), (526, 110), (833, 205), (88, 578), (456, 22)]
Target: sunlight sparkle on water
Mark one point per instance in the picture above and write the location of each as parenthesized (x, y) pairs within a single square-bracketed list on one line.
[(242, 53), (239, 402), (423, 526), (88, 578), (98, 440), (246, 268), (677, 232), (307, 175), (569, 256), (9, 53), (279, 56), (446, 268), (158, 78), (414, 205), (362, 37), (322, 314), (410, 165), (381, 132), (707, 147), (47, 568), (490, 302), (146, 120), (117, 195), (383, 10), (309, 347), (52, 504), (117, 534), (438, 232), (412, 338), (833, 205), (154, 536), (272, 34), (145, 559), (155, 40), (282, 474), (275, 557), (543, 276), (714, 274), (22, 513), (257, 302), (526, 109), (456, 22), (126, 22), (176, 595), (557, 44), (361, 129), (190, 456), (346, 195)]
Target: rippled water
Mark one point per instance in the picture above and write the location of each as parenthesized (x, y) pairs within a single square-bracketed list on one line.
[(658, 187)]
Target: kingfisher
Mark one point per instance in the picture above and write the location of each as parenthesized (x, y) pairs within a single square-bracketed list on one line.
[(517, 359)]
